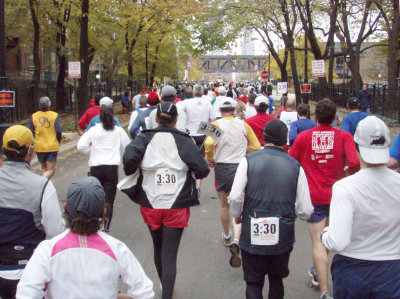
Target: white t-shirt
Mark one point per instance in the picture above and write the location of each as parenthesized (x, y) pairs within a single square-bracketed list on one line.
[(197, 110), (288, 117), (250, 111), (73, 266), (134, 114), (105, 147)]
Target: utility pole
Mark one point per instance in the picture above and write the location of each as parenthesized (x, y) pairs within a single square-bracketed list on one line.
[(269, 66), (305, 95)]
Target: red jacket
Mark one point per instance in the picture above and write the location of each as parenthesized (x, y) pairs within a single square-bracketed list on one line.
[(87, 117), (257, 123), (323, 152), (243, 99)]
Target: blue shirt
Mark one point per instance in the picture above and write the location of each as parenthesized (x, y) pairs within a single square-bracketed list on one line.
[(351, 120), (395, 149), (299, 126), (140, 121), (96, 120), (271, 102)]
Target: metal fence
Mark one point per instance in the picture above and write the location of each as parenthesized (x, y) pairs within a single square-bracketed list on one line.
[(384, 101)]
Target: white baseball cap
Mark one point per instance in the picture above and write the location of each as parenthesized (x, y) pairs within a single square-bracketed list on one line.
[(373, 139), (260, 99), (228, 103), (106, 101), (222, 90)]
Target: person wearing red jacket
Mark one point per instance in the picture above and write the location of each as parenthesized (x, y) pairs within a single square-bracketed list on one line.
[(258, 121), (90, 113), (326, 154)]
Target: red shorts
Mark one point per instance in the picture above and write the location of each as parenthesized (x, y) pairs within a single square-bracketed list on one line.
[(175, 218)]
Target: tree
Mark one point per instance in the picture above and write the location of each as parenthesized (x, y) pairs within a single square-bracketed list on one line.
[(35, 81)]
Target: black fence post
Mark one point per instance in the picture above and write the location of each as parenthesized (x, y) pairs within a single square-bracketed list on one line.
[(383, 99), (373, 98)]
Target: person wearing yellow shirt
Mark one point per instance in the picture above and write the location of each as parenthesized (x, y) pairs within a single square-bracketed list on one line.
[(237, 141), (45, 126)]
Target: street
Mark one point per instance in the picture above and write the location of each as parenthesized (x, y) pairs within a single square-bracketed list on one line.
[(203, 261)]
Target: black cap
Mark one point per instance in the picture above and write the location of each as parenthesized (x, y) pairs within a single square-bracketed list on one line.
[(168, 108), (86, 196), (352, 102), (275, 132)]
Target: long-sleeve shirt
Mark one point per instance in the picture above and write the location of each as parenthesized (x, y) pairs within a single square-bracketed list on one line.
[(304, 207), (323, 152), (257, 123), (299, 126), (87, 117), (364, 220), (238, 139)]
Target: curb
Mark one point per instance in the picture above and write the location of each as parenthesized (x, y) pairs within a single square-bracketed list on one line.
[(68, 147)]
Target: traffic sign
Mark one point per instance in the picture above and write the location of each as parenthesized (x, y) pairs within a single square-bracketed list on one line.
[(74, 69), (305, 88), (7, 98), (264, 74)]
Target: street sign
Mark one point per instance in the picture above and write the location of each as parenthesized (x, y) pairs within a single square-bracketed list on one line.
[(264, 75), (318, 68), (74, 69), (7, 98), (282, 87), (305, 88)]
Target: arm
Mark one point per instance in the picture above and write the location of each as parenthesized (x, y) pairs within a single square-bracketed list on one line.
[(253, 143), (52, 221), (304, 207), (338, 236), (292, 133), (31, 126), (346, 125), (117, 121), (351, 154), (124, 141), (394, 153), (83, 121), (134, 127), (58, 128), (134, 115), (134, 153), (236, 197), (91, 124), (84, 143)]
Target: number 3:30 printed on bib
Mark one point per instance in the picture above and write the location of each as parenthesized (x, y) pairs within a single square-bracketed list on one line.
[(166, 181), (264, 231)]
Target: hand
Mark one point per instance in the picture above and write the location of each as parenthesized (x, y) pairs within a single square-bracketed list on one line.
[(239, 219), (211, 163)]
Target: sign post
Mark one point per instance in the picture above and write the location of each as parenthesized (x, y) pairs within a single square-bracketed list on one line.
[(74, 72)]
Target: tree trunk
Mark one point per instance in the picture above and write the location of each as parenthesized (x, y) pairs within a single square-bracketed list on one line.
[(296, 82), (35, 81), (154, 65), (147, 63)]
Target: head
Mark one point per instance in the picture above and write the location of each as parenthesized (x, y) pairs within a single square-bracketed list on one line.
[(198, 91), (252, 97), (303, 110), (107, 113), (168, 94), (44, 103), (222, 91), (18, 144), (153, 99), (372, 140), (240, 109), (365, 87), (167, 114), (275, 133), (227, 107), (205, 91), (245, 92), (353, 104), (84, 207), (325, 111), (97, 99), (261, 104), (291, 104), (188, 92), (142, 101)]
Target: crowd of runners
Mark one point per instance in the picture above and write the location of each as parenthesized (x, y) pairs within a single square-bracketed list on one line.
[(270, 167)]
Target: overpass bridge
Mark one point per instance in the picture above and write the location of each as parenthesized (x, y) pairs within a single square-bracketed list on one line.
[(233, 63)]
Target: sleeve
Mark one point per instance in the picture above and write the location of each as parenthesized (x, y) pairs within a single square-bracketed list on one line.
[(91, 124), (181, 122), (304, 208), (253, 143), (212, 115), (209, 146), (124, 140), (236, 196), (133, 275), (134, 153), (83, 122), (84, 143), (351, 154), (295, 150), (58, 128), (134, 115), (190, 154), (36, 274), (341, 211), (395, 149), (52, 221), (134, 127), (346, 124), (31, 126), (292, 133), (117, 122)]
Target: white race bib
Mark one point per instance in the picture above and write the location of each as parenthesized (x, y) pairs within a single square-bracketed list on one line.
[(166, 181), (264, 231)]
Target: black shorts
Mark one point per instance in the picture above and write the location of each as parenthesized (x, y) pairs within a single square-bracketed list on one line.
[(225, 174), (199, 141), (255, 266)]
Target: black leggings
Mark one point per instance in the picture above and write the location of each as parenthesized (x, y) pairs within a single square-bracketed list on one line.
[(108, 177), (8, 288), (276, 290), (166, 244)]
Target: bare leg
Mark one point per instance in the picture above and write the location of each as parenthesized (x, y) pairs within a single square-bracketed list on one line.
[(224, 211), (320, 254), (237, 230), (49, 168), (198, 183)]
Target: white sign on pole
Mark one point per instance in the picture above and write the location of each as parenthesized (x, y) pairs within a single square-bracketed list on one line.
[(74, 69), (318, 68), (209, 129), (282, 87)]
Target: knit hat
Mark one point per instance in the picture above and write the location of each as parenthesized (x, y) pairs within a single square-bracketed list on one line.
[(86, 196), (153, 98), (275, 132)]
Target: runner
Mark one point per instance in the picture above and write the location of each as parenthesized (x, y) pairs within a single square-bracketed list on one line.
[(323, 152), (161, 163), (267, 237), (303, 124), (289, 116), (351, 120), (142, 121), (45, 127), (142, 107), (219, 100), (250, 108), (29, 208), (90, 113), (258, 122), (83, 262), (106, 143), (105, 101), (238, 139), (364, 227)]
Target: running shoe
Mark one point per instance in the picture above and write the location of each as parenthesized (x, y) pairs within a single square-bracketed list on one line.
[(313, 275), (326, 295), (236, 260), (227, 240), (198, 193)]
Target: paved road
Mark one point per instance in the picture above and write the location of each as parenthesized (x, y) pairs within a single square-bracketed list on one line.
[(203, 262)]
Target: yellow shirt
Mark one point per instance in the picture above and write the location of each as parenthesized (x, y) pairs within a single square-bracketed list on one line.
[(45, 131)]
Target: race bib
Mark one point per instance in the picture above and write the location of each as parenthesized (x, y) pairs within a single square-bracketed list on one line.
[(165, 181), (264, 231)]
